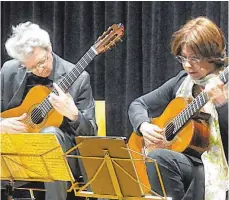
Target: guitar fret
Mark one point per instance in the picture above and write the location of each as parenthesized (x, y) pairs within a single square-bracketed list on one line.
[(45, 107), (198, 102), (48, 104), (76, 71), (189, 114), (182, 119), (224, 75), (62, 85), (88, 58), (91, 53), (70, 76), (88, 54), (69, 79), (179, 122), (108, 39), (192, 108), (170, 125), (186, 114), (195, 106), (201, 100), (84, 60), (176, 126), (81, 65)]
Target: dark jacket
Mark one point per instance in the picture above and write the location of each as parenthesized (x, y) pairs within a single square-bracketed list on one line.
[(152, 105), (13, 85)]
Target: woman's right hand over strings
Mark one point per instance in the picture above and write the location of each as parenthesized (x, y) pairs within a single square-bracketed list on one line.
[(151, 134)]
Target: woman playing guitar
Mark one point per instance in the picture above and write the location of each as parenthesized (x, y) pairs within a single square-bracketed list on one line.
[(189, 141)]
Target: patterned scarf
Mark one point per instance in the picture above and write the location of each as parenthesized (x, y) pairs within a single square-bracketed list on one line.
[(214, 160)]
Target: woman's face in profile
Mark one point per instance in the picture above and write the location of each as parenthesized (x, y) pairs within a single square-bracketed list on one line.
[(195, 66)]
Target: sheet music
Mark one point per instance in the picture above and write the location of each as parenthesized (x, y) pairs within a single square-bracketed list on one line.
[(33, 156)]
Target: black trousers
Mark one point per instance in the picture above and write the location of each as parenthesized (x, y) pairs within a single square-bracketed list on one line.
[(182, 180)]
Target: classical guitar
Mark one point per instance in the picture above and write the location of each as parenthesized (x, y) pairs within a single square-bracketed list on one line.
[(36, 104), (181, 131)]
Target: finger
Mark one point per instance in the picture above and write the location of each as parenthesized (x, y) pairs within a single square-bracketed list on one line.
[(147, 142), (53, 97), (22, 117), (60, 92), (156, 141), (156, 135), (56, 104), (19, 128), (157, 129), (18, 123)]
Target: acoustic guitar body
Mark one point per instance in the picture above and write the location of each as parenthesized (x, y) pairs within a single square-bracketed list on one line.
[(194, 135), (35, 96), (181, 131), (36, 104)]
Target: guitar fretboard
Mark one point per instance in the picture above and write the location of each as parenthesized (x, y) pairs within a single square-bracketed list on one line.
[(180, 120), (185, 115), (68, 79)]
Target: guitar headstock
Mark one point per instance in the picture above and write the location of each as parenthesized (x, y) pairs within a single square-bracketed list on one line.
[(109, 38)]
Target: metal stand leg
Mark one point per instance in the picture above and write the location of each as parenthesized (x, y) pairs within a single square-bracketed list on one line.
[(31, 194), (10, 190)]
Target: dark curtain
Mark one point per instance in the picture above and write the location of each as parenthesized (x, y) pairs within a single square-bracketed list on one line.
[(139, 64)]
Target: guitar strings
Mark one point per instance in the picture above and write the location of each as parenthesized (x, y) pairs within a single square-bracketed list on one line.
[(35, 116), (46, 103), (180, 120), (184, 115), (169, 129), (223, 77)]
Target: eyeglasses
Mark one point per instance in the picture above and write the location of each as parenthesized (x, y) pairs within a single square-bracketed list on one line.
[(40, 64), (191, 60)]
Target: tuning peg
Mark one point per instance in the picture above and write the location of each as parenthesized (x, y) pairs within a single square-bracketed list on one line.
[(120, 39), (113, 43)]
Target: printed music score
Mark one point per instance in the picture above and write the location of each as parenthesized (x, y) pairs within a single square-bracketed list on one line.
[(34, 157)]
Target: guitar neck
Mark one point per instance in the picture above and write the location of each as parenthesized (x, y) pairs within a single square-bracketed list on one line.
[(70, 78), (185, 115), (66, 82)]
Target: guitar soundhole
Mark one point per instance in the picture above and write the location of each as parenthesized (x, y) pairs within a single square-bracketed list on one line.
[(169, 132), (36, 116)]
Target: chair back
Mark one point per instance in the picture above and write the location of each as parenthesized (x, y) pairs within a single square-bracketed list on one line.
[(100, 114)]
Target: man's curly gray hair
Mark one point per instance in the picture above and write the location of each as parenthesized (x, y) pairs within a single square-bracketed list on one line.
[(25, 37)]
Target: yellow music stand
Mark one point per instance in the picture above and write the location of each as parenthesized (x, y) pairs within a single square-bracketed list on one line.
[(33, 157), (110, 170)]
